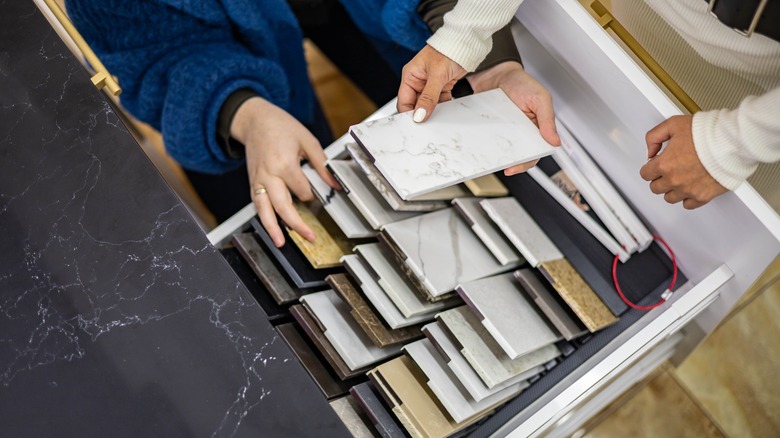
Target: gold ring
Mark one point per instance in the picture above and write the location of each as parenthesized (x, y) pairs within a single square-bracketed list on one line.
[(260, 190)]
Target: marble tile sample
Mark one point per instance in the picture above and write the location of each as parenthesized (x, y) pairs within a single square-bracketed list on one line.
[(524, 233), (364, 315), (485, 355), (329, 385), (402, 384), (495, 241), (374, 293), (507, 315), (412, 279), (391, 281), (340, 209), (354, 418), (442, 251), (550, 303), (280, 289), (363, 195), (582, 300), (343, 332), (315, 333), (371, 404), (329, 246), (463, 371), (464, 139), (383, 187), (487, 186), (443, 194)]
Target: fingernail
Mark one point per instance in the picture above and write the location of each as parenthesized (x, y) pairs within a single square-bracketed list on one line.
[(419, 115)]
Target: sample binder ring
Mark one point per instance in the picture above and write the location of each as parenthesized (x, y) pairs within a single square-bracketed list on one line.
[(667, 293)]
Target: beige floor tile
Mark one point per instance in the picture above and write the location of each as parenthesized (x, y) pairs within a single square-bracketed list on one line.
[(769, 275)]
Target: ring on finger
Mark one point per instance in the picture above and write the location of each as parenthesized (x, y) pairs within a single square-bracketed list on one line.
[(260, 190)]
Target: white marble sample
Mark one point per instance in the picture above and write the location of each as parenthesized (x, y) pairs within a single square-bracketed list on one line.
[(485, 355), (442, 251), (520, 228), (507, 315), (363, 195), (400, 293), (486, 230), (374, 293), (445, 385), (464, 372), (465, 138), (340, 209), (343, 332)]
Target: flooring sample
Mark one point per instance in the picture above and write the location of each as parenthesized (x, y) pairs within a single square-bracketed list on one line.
[(443, 194), (507, 315), (392, 282), (363, 195), (343, 332), (364, 315), (329, 246), (465, 374), (244, 272), (383, 187), (340, 209), (465, 138), (518, 226), (402, 384), (495, 241), (315, 333), (374, 293), (442, 251), (383, 421), (488, 186), (353, 417), (550, 303), (485, 355), (582, 300), (278, 286), (412, 279)]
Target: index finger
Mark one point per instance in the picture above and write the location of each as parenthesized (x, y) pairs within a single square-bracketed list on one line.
[(281, 199), (407, 97)]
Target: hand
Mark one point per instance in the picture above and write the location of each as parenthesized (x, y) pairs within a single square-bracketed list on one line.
[(425, 81), (527, 93), (677, 172), (275, 145)]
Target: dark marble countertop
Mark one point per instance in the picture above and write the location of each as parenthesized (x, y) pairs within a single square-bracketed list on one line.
[(117, 318)]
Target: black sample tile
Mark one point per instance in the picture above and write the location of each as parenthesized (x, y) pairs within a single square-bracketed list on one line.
[(384, 422), (273, 311), (276, 284)]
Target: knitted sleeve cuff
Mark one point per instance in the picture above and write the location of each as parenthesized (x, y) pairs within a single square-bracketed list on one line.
[(717, 151), (464, 48)]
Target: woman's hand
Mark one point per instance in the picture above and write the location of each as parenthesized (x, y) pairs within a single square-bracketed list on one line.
[(425, 81), (275, 145)]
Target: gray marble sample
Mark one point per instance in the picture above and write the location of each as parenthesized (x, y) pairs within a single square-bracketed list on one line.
[(343, 332), (383, 187), (370, 401), (391, 281), (354, 418), (442, 251), (549, 302), (340, 209), (363, 195), (486, 230), (374, 293), (463, 371), (465, 138), (483, 352), (281, 290), (524, 233), (507, 315)]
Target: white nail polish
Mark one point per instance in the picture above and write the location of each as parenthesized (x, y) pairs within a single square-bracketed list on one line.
[(419, 115)]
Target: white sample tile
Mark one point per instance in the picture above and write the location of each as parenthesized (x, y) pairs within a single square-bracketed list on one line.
[(374, 293), (486, 230), (520, 228), (343, 332), (400, 293), (445, 385), (363, 195), (507, 315), (485, 355), (442, 251), (465, 138), (464, 372), (340, 209)]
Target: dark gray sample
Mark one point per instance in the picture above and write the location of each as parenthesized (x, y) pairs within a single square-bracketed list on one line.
[(550, 303), (384, 422), (276, 284)]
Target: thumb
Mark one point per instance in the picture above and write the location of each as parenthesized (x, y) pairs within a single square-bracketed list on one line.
[(545, 116), (656, 137), (428, 98)]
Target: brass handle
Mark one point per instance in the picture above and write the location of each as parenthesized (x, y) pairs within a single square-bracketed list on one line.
[(101, 78), (607, 21)]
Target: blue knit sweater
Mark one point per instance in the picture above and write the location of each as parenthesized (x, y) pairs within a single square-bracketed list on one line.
[(178, 60)]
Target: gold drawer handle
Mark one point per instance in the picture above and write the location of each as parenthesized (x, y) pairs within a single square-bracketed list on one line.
[(101, 78), (607, 21)]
